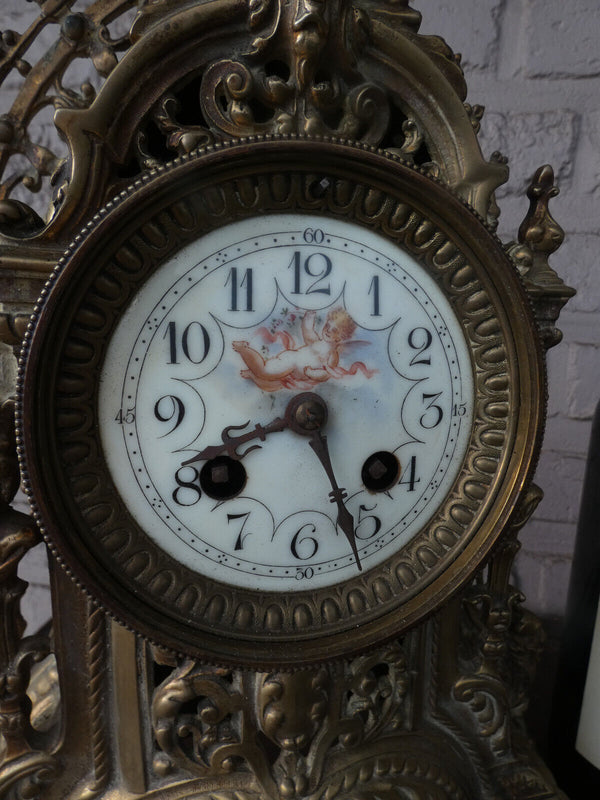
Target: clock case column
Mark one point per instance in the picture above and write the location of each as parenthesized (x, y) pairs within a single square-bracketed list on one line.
[(439, 711)]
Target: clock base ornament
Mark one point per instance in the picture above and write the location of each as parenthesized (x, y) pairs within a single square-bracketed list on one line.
[(380, 725), (395, 662)]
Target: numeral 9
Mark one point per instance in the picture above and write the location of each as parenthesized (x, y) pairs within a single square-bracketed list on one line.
[(168, 409)]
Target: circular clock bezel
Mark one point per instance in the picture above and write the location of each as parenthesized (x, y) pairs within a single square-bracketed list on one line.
[(78, 508)]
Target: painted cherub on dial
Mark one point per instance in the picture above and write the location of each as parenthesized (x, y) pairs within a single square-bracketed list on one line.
[(316, 361)]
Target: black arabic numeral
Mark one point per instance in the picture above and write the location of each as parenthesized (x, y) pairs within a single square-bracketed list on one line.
[(304, 573), (313, 236), (169, 408), (171, 332), (301, 269), (362, 517), (430, 421), (412, 476), (420, 339), (239, 542), (245, 282), (304, 542), (374, 290), (188, 492), (194, 342)]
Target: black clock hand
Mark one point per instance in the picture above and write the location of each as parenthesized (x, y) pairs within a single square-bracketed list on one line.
[(318, 442), (307, 414), (231, 443), (304, 413)]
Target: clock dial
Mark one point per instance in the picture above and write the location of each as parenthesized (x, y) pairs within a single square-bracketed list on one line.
[(291, 396), (222, 337)]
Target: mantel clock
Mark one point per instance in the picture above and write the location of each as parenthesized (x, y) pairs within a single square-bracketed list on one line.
[(279, 405), (292, 400)]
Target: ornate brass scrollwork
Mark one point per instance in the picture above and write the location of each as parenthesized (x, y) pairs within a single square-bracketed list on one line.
[(435, 715)]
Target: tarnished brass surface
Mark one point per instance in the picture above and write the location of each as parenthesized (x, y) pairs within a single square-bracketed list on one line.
[(101, 545), (540, 236), (192, 73), (437, 713)]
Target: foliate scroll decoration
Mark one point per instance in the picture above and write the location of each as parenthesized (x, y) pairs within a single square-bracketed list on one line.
[(377, 700), (306, 67), (289, 731), (31, 160), (500, 642), (299, 76), (298, 73), (196, 715), (179, 138), (485, 689), (539, 237), (314, 68), (499, 646), (25, 771)]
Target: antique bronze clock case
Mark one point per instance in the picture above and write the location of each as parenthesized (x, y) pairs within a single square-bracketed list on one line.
[(436, 712), (99, 281)]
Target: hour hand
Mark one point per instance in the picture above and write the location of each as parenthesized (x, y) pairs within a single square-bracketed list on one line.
[(230, 444), (304, 413)]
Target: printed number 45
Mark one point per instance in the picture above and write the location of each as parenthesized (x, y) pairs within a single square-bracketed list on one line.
[(126, 417)]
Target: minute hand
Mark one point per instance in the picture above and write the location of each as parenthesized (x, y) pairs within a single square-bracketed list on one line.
[(345, 521)]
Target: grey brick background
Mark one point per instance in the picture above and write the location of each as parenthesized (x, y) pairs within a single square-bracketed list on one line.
[(535, 65)]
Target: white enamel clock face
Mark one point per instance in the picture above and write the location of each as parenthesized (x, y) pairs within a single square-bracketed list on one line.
[(222, 338)]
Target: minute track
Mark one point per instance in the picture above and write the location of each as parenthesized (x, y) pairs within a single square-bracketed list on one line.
[(385, 350)]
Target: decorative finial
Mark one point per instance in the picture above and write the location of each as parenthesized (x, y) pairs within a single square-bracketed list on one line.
[(540, 236), (539, 230)]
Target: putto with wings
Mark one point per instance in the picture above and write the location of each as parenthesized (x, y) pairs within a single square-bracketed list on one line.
[(302, 367)]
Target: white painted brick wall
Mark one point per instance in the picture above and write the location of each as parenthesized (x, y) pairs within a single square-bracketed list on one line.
[(564, 31), (470, 28), (535, 65)]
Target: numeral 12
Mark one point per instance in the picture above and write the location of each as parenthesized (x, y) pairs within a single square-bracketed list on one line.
[(322, 266)]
